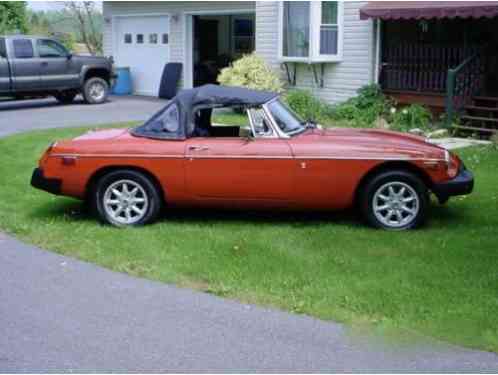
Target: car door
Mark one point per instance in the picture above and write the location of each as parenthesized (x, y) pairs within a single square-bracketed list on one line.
[(24, 65), (4, 68), (57, 69), (244, 168)]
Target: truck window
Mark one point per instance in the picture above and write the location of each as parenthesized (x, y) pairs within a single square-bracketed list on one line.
[(23, 48), (50, 48), (3, 49)]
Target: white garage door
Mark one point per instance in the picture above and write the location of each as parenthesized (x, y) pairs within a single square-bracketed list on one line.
[(142, 43)]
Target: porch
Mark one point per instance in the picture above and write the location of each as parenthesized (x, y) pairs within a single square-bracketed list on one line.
[(442, 55)]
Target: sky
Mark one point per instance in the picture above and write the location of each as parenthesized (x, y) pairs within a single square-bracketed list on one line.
[(52, 5)]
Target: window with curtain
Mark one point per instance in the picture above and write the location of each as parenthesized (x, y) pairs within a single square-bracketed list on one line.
[(329, 28), (311, 30), (296, 29)]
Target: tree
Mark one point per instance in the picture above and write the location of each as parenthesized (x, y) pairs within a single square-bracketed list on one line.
[(86, 16), (13, 17)]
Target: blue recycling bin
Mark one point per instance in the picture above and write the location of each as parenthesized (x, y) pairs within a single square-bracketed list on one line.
[(123, 85)]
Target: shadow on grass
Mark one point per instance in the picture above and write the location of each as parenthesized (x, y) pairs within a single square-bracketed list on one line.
[(78, 211)]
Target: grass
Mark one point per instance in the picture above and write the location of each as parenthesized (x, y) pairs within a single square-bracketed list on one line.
[(440, 281)]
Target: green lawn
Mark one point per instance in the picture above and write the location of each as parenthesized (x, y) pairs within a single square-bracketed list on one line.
[(440, 281)]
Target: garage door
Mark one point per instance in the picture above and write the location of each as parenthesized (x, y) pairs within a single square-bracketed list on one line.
[(142, 43)]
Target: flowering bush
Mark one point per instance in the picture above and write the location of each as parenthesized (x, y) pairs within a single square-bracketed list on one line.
[(413, 116), (253, 72)]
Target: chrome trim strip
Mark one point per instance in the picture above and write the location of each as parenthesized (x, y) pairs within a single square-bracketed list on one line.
[(198, 156)]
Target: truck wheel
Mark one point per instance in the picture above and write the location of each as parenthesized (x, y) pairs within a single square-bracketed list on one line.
[(95, 90), (65, 97), (126, 198), (395, 200)]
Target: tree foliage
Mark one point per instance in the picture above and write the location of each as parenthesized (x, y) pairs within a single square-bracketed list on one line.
[(86, 17), (13, 17)]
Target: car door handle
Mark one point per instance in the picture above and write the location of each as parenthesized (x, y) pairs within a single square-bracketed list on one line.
[(44, 63), (198, 148)]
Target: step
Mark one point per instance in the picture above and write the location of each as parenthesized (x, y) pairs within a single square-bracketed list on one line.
[(486, 98), (475, 128), (481, 108), (478, 118)]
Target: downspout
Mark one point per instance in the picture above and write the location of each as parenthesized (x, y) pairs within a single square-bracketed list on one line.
[(377, 51)]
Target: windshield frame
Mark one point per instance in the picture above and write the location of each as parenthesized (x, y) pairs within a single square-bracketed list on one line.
[(282, 133)]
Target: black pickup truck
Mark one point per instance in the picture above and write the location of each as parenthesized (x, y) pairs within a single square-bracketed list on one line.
[(40, 66)]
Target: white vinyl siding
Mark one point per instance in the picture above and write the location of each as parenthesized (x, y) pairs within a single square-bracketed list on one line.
[(341, 79), (174, 9)]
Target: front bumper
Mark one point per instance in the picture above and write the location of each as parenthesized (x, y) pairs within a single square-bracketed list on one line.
[(462, 184), (39, 181)]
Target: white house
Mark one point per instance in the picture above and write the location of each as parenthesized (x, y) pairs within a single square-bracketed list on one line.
[(320, 45), (439, 54)]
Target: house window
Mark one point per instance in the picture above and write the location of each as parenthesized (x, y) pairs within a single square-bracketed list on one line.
[(140, 38), (329, 28), (296, 29), (153, 38), (127, 38), (311, 31), (165, 38)]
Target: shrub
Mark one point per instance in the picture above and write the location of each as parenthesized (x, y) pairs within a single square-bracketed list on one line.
[(413, 116), (305, 104), (363, 109), (494, 141), (253, 72)]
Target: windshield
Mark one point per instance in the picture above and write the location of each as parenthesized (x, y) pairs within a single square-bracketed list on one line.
[(285, 118)]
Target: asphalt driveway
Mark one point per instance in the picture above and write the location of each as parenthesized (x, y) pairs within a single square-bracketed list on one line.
[(18, 116), (59, 314)]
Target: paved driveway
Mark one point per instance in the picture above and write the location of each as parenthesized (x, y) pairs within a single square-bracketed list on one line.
[(18, 116), (59, 314)]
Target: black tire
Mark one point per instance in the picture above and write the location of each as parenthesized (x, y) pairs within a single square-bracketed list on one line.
[(95, 97), (65, 97), (414, 187), (153, 196)]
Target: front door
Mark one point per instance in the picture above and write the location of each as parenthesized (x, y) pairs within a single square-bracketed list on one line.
[(239, 169), (57, 69)]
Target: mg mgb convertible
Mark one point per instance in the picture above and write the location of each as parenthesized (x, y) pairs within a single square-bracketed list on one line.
[(278, 161)]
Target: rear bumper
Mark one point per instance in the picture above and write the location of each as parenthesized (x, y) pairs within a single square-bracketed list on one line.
[(462, 184), (39, 181)]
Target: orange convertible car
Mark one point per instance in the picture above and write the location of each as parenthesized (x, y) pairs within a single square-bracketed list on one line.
[(277, 161)]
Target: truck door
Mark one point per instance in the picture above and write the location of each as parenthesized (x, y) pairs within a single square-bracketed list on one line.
[(4, 68), (57, 69), (24, 66)]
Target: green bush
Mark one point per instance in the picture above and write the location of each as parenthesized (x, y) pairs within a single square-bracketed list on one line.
[(413, 116), (253, 72), (494, 141), (363, 109), (306, 105)]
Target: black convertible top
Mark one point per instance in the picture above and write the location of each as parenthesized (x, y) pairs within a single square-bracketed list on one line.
[(177, 119)]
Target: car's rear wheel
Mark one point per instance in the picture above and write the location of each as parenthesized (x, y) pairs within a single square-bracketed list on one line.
[(126, 198), (65, 97), (395, 200), (95, 90)]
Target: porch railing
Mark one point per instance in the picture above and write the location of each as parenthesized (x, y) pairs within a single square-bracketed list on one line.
[(462, 83), (420, 67)]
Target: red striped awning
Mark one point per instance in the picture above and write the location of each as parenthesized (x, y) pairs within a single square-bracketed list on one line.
[(406, 10)]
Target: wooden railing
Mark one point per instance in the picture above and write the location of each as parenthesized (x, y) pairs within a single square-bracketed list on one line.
[(463, 82), (420, 67)]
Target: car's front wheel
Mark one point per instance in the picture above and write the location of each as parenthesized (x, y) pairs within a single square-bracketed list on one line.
[(126, 198), (395, 200), (95, 90)]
